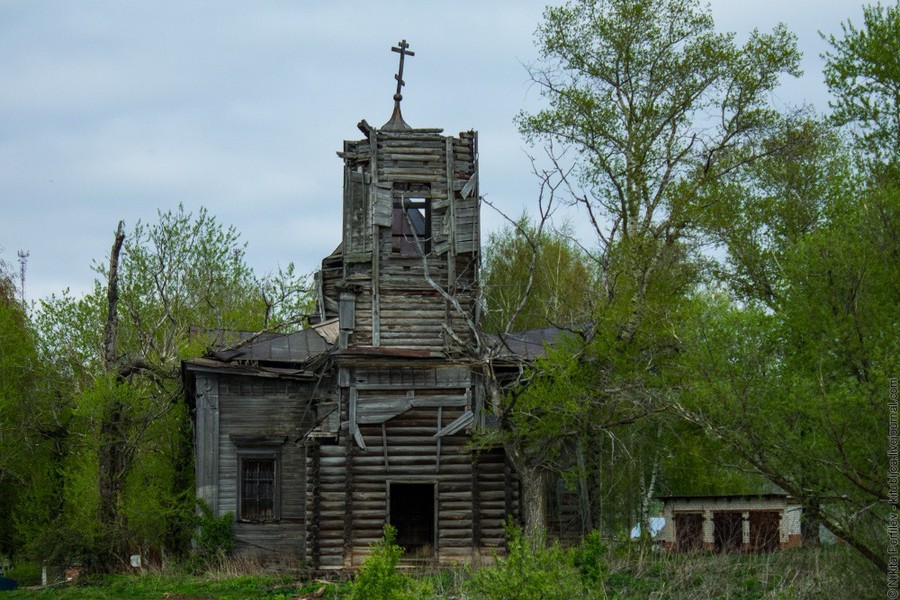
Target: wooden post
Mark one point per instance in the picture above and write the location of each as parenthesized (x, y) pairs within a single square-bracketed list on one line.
[(312, 523), (207, 440), (476, 506), (348, 502), (376, 241)]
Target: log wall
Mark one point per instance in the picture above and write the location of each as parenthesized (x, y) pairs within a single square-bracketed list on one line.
[(398, 414), (396, 297)]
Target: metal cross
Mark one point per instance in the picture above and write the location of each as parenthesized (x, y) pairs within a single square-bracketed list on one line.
[(399, 77)]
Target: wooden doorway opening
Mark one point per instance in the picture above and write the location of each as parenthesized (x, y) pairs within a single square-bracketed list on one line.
[(412, 514)]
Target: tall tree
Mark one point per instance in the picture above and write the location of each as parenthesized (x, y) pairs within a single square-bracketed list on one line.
[(169, 291), (18, 382), (562, 279), (794, 370), (649, 103), (862, 71)]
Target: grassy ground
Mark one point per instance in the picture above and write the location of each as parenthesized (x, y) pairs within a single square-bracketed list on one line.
[(832, 572), (632, 573)]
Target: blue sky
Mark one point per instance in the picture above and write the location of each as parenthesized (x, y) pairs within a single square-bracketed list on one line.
[(114, 110)]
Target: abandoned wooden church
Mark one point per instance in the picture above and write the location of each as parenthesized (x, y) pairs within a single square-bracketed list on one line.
[(315, 439)]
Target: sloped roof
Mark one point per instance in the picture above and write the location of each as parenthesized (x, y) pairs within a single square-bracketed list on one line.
[(291, 348), (527, 344), (295, 347)]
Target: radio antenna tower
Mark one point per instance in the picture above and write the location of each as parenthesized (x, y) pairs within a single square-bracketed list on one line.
[(23, 261)]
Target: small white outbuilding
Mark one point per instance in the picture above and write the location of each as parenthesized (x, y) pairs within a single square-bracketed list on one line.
[(730, 523)]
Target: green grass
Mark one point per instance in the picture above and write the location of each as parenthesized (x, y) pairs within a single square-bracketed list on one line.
[(630, 572), (174, 587)]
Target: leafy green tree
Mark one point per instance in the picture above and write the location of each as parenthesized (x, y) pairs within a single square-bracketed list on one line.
[(862, 71), (561, 276), (792, 370), (18, 371), (169, 290), (647, 104)]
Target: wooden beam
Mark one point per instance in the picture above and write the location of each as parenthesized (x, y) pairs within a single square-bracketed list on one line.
[(460, 422), (376, 242), (384, 445), (354, 426), (437, 462)]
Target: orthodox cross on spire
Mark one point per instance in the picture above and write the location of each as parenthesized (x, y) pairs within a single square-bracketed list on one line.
[(396, 121), (399, 76)]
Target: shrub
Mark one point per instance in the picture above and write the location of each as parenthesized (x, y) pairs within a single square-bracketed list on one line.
[(530, 571), (25, 573), (590, 560), (213, 535), (379, 579)]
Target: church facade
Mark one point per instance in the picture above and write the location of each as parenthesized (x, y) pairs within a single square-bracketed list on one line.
[(315, 440)]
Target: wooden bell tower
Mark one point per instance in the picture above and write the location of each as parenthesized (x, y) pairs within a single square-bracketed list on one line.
[(405, 275)]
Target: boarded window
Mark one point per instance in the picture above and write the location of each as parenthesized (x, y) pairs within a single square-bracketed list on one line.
[(728, 531), (689, 532), (412, 515), (258, 497)]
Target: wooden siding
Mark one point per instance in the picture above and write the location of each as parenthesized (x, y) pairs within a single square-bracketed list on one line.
[(376, 423), (348, 489), (397, 303), (255, 408)]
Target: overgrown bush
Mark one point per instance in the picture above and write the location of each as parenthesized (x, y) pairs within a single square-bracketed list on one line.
[(213, 537), (25, 573), (591, 561), (531, 571), (379, 579)]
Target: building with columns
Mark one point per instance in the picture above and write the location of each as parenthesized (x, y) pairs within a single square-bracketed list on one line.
[(730, 523)]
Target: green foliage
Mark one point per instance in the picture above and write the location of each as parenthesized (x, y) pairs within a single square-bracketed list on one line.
[(100, 448), (562, 280), (793, 376), (807, 573), (648, 105), (214, 535), (650, 96), (21, 409), (379, 578), (862, 71), (590, 559), (25, 573), (531, 571), (153, 586)]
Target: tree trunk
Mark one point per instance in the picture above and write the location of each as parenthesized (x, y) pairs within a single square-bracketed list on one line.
[(111, 459), (112, 453), (534, 494), (809, 527), (647, 492), (110, 333), (584, 497)]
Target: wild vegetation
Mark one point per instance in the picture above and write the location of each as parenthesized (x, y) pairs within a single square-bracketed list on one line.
[(95, 452), (592, 570), (739, 331)]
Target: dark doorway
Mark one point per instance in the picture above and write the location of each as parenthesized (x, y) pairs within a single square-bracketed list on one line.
[(764, 530), (728, 531), (412, 515), (689, 532)]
